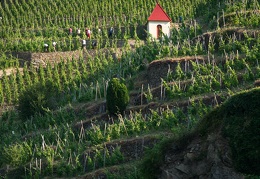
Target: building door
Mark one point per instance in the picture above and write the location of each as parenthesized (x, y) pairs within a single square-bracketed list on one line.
[(159, 31)]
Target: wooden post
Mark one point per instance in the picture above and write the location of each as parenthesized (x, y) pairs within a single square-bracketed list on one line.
[(104, 163), (223, 15), (142, 94), (195, 24), (161, 90), (218, 20), (96, 91)]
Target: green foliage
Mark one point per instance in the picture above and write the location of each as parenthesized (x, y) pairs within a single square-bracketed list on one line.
[(104, 157), (116, 157), (242, 126), (95, 135), (17, 154), (252, 177), (149, 95), (38, 98), (117, 96), (178, 74), (125, 172), (154, 158), (239, 117), (69, 169)]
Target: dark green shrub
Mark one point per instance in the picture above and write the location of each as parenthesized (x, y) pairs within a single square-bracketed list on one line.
[(16, 154), (117, 96), (154, 158), (240, 118), (88, 96), (242, 127), (38, 98)]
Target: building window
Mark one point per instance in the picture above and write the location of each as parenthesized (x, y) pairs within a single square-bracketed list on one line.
[(159, 31)]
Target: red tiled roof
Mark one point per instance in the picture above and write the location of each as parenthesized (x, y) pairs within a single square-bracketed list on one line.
[(159, 14)]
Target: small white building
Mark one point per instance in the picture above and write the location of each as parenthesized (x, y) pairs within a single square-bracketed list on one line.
[(159, 22)]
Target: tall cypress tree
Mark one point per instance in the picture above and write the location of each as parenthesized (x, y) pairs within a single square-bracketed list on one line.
[(117, 96)]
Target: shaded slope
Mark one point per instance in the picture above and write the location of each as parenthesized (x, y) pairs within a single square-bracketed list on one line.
[(225, 143), (241, 125)]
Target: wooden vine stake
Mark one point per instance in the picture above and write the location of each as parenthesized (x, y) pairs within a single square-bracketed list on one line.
[(104, 162), (223, 15), (215, 99), (195, 25), (142, 90), (161, 90), (85, 163)]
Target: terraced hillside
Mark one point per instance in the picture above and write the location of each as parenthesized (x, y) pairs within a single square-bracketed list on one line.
[(54, 119)]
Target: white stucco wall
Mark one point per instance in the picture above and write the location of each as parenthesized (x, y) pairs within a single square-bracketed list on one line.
[(152, 28)]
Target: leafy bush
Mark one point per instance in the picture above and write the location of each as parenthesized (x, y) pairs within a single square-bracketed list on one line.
[(38, 98), (16, 154), (154, 158), (117, 96)]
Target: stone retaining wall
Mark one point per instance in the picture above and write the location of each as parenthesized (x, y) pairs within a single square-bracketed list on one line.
[(159, 69), (37, 58), (43, 58), (53, 57)]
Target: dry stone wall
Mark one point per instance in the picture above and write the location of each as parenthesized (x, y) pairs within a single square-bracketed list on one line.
[(43, 58), (204, 159), (159, 69), (53, 57)]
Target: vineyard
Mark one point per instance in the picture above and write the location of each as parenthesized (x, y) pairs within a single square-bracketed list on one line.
[(173, 82)]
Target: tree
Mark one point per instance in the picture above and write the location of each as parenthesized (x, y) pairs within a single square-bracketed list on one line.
[(117, 96)]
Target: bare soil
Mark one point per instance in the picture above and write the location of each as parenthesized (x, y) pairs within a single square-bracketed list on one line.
[(9, 71)]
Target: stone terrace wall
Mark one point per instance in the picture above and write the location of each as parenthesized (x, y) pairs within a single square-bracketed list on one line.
[(43, 58), (53, 57), (160, 68)]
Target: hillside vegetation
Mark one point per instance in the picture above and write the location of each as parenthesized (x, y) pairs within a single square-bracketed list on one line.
[(224, 142), (192, 89)]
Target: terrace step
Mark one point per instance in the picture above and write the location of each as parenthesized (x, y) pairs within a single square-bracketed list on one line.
[(132, 149)]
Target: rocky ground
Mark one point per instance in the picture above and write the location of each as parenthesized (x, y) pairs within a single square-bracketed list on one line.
[(204, 158)]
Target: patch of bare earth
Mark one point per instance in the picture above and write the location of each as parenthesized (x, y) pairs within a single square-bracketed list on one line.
[(9, 71)]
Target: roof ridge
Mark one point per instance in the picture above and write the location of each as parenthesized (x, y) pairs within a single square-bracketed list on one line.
[(158, 14)]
